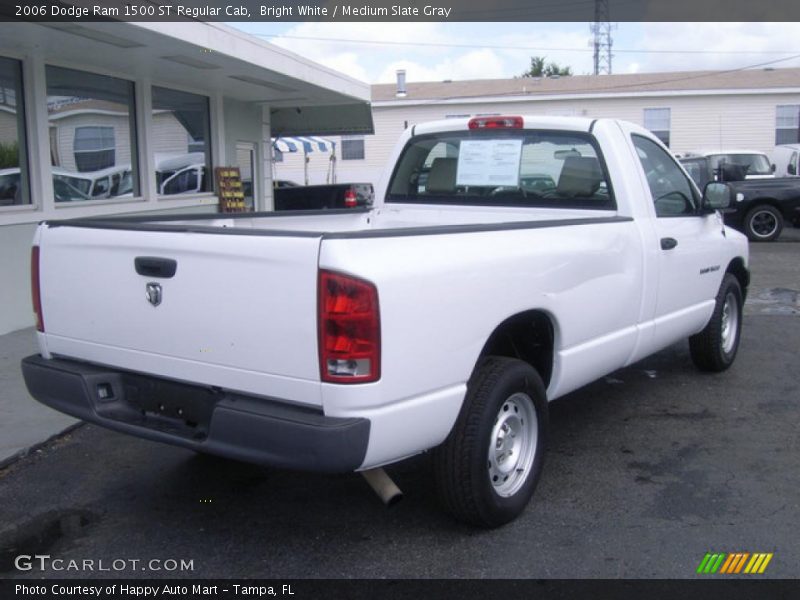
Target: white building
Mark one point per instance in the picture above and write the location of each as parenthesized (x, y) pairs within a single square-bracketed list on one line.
[(753, 109), (123, 118)]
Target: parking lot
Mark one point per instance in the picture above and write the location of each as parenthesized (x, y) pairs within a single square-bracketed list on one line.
[(648, 469)]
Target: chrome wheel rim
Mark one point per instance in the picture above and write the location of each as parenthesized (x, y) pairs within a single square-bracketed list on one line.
[(512, 444), (763, 223), (730, 322)]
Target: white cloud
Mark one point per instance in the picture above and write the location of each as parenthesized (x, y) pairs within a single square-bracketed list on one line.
[(500, 50), (478, 64), (360, 60), (725, 45), (457, 53)]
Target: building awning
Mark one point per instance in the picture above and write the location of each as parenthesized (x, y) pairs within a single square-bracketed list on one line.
[(210, 58), (307, 144)]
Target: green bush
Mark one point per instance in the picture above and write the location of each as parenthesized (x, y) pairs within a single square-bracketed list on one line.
[(9, 155)]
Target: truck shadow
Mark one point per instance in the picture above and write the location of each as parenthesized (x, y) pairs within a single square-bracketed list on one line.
[(624, 439)]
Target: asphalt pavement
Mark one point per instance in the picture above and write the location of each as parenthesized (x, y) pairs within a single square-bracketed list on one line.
[(648, 470)]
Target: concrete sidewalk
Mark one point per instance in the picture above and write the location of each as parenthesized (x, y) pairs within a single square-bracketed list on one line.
[(24, 423)]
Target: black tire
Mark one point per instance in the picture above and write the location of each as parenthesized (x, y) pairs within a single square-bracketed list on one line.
[(763, 223), (463, 464), (712, 349)]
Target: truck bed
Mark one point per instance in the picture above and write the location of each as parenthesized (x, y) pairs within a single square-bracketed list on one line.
[(240, 310), (399, 220)]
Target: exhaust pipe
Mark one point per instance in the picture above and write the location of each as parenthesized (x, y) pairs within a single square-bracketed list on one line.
[(383, 485)]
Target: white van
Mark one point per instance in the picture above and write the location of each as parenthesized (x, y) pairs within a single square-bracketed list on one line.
[(786, 158)]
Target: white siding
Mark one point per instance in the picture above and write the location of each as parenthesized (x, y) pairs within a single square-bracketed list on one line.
[(169, 136), (8, 127), (65, 136), (697, 122)]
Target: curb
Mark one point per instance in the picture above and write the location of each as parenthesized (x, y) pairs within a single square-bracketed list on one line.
[(10, 460)]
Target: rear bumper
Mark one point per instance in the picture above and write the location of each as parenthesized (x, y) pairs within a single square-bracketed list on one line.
[(204, 419)]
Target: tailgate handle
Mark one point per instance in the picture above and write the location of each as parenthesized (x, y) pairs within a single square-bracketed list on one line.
[(153, 266)]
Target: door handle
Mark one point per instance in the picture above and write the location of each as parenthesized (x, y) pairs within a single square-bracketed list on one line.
[(668, 243), (153, 266)]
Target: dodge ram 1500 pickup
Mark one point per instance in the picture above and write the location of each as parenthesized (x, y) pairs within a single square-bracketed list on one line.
[(507, 261)]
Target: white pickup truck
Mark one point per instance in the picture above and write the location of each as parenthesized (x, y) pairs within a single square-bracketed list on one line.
[(507, 261)]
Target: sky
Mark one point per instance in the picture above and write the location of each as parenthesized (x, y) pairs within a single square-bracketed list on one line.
[(372, 52)]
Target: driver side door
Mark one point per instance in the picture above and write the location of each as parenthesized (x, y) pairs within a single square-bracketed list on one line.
[(688, 246)]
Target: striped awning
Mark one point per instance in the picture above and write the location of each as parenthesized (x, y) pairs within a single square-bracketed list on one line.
[(308, 143)]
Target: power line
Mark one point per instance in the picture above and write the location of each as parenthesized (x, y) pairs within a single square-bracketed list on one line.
[(474, 46)]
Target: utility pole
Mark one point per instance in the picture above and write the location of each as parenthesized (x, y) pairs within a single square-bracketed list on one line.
[(601, 29)]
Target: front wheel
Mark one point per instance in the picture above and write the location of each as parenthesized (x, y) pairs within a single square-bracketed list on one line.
[(487, 468), (763, 223), (714, 348)]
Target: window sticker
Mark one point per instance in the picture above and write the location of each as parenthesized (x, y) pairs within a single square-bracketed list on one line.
[(489, 162)]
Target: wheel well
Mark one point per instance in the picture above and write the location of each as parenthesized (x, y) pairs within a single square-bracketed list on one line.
[(528, 336), (738, 270), (758, 202)]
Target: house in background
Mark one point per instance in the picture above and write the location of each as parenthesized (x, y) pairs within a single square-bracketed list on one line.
[(131, 118), (754, 109)]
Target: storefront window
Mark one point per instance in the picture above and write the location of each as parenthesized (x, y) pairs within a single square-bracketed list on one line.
[(92, 136), (181, 138), (14, 190)]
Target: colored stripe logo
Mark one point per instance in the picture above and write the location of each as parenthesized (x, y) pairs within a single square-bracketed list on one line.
[(734, 563)]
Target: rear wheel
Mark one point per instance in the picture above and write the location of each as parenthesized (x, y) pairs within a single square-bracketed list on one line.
[(488, 467), (714, 348), (763, 223)]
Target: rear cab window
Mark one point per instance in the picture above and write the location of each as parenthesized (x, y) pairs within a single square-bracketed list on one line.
[(515, 167)]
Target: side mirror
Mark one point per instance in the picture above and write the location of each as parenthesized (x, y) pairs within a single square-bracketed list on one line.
[(773, 167), (717, 196), (791, 169)]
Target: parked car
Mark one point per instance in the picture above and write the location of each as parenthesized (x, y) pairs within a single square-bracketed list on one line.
[(180, 173), (786, 159), (282, 183), (442, 319), (71, 186), (757, 164), (316, 197), (92, 185), (762, 206), (10, 187)]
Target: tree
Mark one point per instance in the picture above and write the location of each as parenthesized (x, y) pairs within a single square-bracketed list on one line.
[(539, 68)]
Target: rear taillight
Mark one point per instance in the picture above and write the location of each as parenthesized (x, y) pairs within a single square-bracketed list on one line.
[(350, 198), (496, 123), (36, 295), (349, 329)]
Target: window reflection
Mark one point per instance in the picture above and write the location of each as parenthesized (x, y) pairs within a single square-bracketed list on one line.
[(13, 150), (181, 138), (92, 135)]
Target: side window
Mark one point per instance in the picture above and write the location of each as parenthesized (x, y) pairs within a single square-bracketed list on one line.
[(353, 147), (698, 171), (672, 193), (101, 188)]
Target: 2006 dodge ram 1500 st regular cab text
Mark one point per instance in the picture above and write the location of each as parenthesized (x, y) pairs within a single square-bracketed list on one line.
[(507, 261)]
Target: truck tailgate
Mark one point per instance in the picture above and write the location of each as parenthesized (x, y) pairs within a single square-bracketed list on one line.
[(238, 313)]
